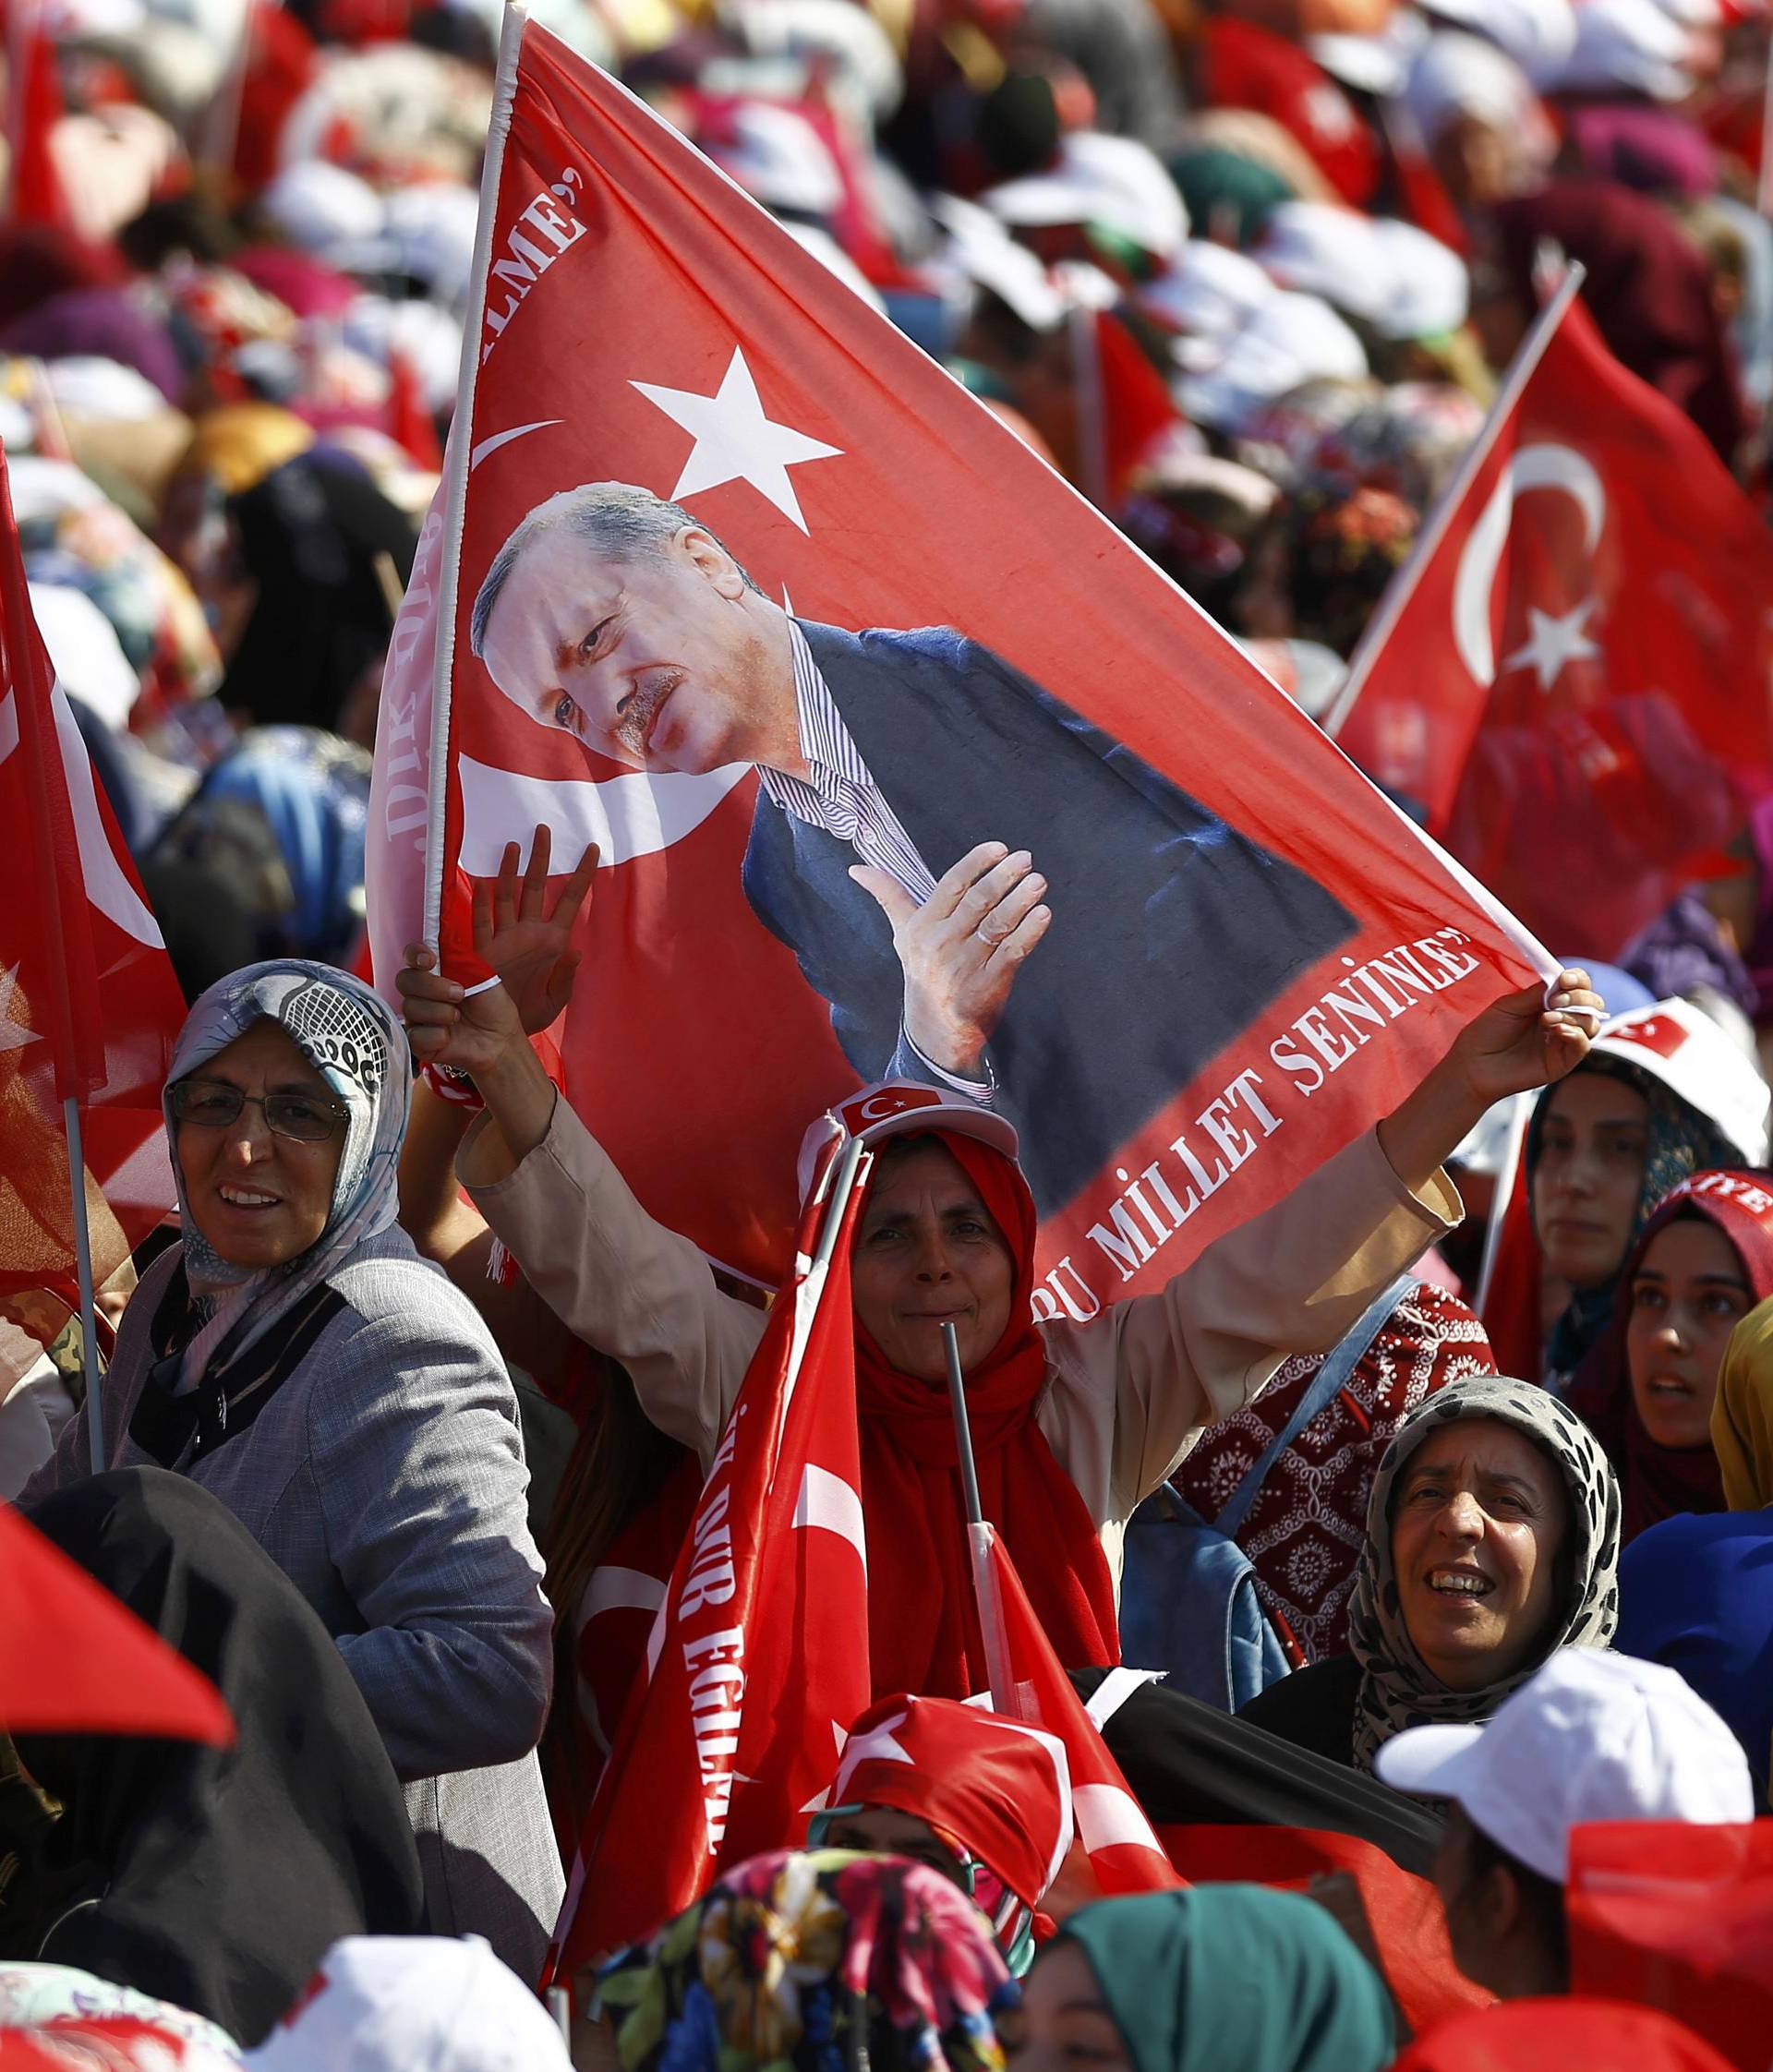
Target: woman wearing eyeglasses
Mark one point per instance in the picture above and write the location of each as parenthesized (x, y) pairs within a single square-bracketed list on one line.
[(295, 1355)]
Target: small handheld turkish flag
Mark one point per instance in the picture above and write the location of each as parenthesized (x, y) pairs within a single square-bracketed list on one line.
[(1575, 686), (89, 1003), (901, 763)]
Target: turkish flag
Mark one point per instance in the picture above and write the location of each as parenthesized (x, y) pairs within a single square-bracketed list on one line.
[(1678, 1916), (1232, 986), (1124, 1852), (88, 1006), (759, 1659), (1577, 685), (34, 191), (73, 1660)]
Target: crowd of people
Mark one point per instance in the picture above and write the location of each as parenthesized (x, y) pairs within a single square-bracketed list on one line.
[(1441, 1493)]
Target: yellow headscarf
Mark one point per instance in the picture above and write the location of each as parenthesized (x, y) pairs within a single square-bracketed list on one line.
[(240, 443), (1742, 1417)]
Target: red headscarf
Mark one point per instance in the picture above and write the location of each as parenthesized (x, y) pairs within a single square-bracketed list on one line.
[(1660, 1482), (1577, 2035), (922, 1628)]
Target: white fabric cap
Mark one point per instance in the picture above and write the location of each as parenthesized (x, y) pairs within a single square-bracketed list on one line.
[(1681, 1045), (987, 255), (1322, 249), (1428, 285), (1207, 290), (1594, 1736), (1631, 43), (44, 488), (1458, 74), (413, 2003), (86, 385), (430, 226), (778, 158), (322, 208), (1113, 182), (1531, 31), (900, 1108), (88, 657), (1289, 340)]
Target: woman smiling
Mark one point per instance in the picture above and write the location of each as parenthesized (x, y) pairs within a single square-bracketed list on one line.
[(1492, 1540), (295, 1356)]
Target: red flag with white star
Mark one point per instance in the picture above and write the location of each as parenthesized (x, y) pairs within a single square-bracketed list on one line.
[(1577, 686), (873, 633), (88, 1006)]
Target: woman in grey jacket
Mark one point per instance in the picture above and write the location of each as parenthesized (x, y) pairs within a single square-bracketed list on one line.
[(297, 1357)]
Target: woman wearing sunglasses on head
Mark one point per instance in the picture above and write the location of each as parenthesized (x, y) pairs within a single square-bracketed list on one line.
[(296, 1356)]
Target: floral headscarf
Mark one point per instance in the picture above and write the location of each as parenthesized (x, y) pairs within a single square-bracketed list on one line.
[(1397, 1688), (357, 1047), (825, 1961)]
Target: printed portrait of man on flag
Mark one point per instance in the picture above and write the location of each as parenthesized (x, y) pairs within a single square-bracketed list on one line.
[(990, 892)]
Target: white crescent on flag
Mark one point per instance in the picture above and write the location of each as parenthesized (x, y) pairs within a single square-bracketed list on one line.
[(107, 887), (1534, 467), (626, 816)]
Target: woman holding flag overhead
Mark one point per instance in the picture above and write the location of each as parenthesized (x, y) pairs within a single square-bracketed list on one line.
[(1072, 1426)]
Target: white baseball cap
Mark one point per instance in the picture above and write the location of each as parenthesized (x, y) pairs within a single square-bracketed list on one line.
[(1681, 1045), (901, 1108), (1594, 1736), (413, 2003)]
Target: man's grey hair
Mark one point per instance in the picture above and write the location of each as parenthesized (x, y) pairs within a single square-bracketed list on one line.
[(620, 522)]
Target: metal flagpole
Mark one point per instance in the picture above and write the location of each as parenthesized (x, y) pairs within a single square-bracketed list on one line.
[(83, 1260), (980, 1536), (1402, 587)]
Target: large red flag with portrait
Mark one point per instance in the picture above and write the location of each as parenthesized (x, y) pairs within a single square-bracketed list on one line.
[(89, 1005), (878, 632), (1577, 687)]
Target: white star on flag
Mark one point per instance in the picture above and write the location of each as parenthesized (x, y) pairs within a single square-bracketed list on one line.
[(1554, 641), (14, 1035), (735, 441)]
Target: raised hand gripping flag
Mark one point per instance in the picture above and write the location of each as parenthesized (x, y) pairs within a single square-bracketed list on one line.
[(875, 632)]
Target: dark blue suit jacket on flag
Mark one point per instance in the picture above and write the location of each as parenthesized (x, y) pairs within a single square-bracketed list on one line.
[(1171, 932)]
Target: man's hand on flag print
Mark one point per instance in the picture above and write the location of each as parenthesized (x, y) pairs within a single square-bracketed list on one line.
[(962, 948)]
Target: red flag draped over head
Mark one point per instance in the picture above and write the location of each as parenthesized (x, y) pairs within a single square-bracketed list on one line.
[(1124, 1852), (34, 192), (89, 1005), (758, 1658), (1228, 990), (1575, 686), (1000, 1789)]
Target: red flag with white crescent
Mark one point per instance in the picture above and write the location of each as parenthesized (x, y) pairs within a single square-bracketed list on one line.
[(877, 631), (759, 1659), (88, 1006), (1576, 688), (1124, 1852)]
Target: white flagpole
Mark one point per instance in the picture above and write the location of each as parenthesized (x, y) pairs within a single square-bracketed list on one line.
[(1402, 587), (83, 1261), (511, 44), (980, 1536)]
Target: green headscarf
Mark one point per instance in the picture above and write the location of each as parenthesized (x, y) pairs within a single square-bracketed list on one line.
[(1235, 1978), (1227, 194)]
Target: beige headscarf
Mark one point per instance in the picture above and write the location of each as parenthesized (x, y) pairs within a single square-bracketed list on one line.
[(1742, 1417)]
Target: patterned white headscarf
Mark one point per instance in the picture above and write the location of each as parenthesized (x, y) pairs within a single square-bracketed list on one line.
[(358, 1048), (1397, 1688)]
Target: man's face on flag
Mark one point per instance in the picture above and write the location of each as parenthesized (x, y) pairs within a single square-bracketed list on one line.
[(662, 662)]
